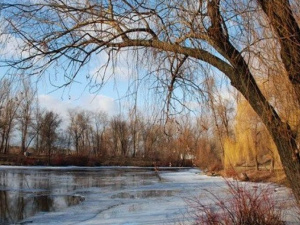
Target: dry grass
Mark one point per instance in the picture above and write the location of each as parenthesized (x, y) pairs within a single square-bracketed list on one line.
[(277, 176)]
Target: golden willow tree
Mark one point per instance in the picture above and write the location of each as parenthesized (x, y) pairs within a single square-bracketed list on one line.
[(179, 42)]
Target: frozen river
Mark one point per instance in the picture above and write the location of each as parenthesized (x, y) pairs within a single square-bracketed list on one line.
[(105, 195)]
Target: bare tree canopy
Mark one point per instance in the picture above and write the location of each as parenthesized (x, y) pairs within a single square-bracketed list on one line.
[(244, 40)]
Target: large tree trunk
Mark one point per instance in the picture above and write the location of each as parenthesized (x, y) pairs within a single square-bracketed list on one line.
[(284, 23), (289, 156), (281, 133), (243, 80)]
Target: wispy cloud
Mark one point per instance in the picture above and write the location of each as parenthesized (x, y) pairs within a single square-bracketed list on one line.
[(94, 103)]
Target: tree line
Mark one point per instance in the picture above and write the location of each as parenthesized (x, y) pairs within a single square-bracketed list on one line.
[(26, 127), (224, 134)]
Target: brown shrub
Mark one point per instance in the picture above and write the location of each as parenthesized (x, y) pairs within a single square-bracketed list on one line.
[(231, 172), (77, 160), (58, 160), (215, 166), (242, 206)]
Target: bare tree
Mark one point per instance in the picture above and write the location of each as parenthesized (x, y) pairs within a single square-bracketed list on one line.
[(25, 114), (37, 124), (135, 128), (50, 123), (120, 135), (80, 131), (151, 136), (220, 113), (99, 124), (234, 37), (10, 103)]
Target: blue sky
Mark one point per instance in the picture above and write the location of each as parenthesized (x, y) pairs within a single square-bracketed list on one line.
[(111, 98), (77, 94)]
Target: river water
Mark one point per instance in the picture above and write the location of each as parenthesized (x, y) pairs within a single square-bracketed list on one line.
[(26, 191), (102, 195)]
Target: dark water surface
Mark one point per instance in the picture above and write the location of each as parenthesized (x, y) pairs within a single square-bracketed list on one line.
[(25, 191)]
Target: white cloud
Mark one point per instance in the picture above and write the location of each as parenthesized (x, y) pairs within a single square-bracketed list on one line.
[(50, 103), (89, 102), (10, 46), (98, 103), (121, 67)]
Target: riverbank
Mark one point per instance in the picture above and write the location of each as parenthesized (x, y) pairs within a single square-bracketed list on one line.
[(252, 175), (86, 160)]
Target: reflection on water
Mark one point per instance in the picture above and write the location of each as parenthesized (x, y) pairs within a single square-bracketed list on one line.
[(16, 206), (27, 191), (48, 203)]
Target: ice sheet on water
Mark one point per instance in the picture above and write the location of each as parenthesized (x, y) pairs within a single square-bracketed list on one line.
[(147, 203), (128, 204)]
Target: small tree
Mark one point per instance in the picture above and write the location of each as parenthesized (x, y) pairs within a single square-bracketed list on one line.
[(120, 135), (9, 105), (80, 130), (25, 114), (99, 124), (50, 123)]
